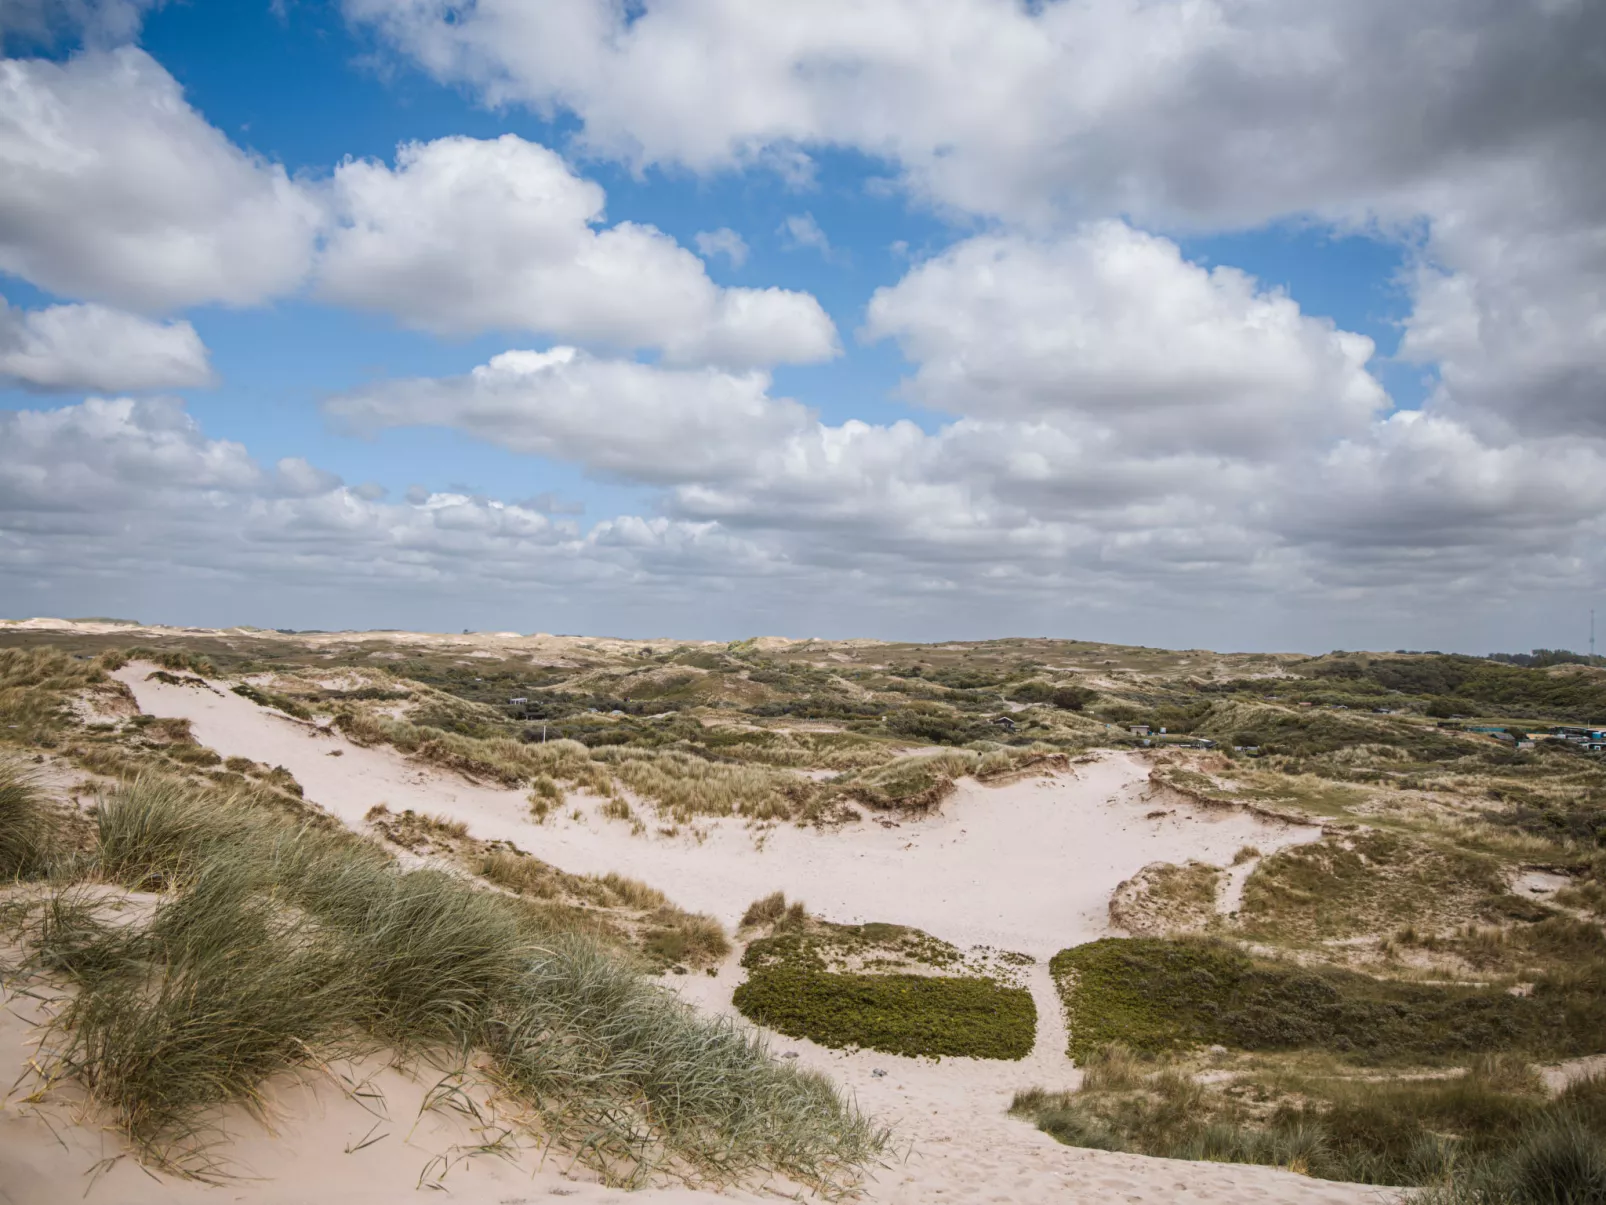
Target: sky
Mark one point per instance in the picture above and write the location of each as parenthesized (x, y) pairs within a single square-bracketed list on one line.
[(1242, 324)]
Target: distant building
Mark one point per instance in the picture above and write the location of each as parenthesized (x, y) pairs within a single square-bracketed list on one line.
[(1139, 730), (518, 701), (1570, 733)]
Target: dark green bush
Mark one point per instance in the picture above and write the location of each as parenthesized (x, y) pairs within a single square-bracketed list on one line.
[(914, 1015), (1154, 995)]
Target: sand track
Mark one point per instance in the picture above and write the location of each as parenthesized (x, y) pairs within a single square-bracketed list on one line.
[(1028, 866)]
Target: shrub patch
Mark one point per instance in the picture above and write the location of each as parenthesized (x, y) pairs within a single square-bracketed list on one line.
[(1156, 995), (915, 1015)]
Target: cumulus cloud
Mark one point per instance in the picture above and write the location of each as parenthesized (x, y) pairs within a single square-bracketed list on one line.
[(66, 347), (112, 188), (94, 22), (802, 232), (101, 460), (468, 235), (1510, 298), (1112, 326), (118, 501), (616, 417), (1005, 519), (723, 241), (1468, 122), (1239, 110)]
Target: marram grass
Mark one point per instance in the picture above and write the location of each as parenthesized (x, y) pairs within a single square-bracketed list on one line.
[(273, 944)]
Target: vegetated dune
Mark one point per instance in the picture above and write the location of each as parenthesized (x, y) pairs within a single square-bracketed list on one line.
[(353, 1134), (1027, 866), (1362, 894)]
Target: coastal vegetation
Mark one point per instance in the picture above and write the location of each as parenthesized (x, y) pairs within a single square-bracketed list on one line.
[(1367, 1004), (268, 945), (882, 987)]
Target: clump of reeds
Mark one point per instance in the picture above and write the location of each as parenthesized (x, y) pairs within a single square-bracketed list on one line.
[(25, 831), (773, 909), (687, 785), (275, 943)]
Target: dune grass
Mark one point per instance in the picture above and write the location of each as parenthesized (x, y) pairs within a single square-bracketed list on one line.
[(1490, 1135), (687, 785), (773, 909), (624, 913), (274, 943), (921, 781), (25, 830)]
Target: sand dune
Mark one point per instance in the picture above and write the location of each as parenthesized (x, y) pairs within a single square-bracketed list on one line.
[(1028, 866)]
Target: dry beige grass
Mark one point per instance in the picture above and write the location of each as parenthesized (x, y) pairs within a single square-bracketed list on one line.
[(1163, 899), (624, 911)]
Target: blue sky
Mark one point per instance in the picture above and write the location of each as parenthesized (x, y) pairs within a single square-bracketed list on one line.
[(1010, 316), (346, 98)]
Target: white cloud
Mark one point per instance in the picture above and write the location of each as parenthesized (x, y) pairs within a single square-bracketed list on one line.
[(801, 231), (723, 241), (113, 189), (614, 416), (129, 503), (94, 22), (104, 460), (1112, 327), (1471, 123), (1510, 299), (468, 235), (1237, 109), (980, 525), (65, 347)]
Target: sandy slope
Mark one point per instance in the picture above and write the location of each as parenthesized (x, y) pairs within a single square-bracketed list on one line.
[(48, 1156), (1029, 866)]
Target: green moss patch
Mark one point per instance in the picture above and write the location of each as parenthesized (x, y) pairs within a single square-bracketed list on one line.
[(1155, 995), (890, 988), (915, 1015)]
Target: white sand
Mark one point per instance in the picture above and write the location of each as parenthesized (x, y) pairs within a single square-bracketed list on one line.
[(50, 1154), (1029, 867)]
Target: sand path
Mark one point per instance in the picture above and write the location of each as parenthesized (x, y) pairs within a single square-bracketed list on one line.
[(1029, 866)]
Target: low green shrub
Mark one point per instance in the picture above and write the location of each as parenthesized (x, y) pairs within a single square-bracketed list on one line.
[(914, 1015), (1491, 1135), (1156, 995)]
